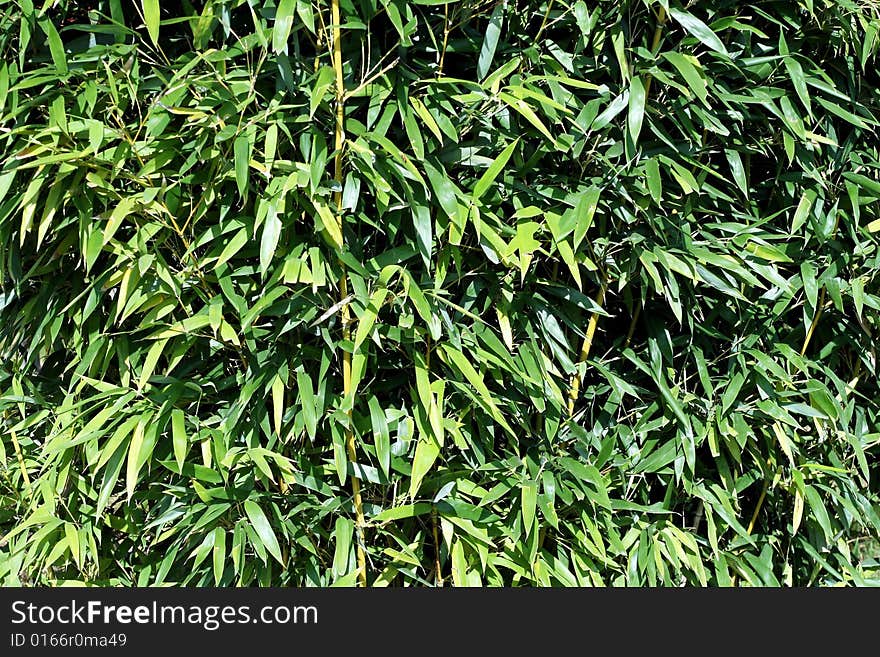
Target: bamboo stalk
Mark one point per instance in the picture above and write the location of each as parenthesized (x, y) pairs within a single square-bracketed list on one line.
[(20, 458), (816, 316), (445, 40), (544, 22), (343, 289), (632, 324), (438, 574), (820, 303), (758, 506), (658, 32), (754, 518), (575, 383), (777, 427)]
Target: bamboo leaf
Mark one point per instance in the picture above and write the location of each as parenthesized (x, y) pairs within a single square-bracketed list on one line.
[(263, 529), (151, 19), (490, 41), (491, 173), (381, 436), (636, 108), (242, 150), (699, 29), (179, 437), (284, 15), (269, 240), (427, 451)]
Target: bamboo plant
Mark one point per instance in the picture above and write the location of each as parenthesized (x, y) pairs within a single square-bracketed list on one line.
[(439, 292)]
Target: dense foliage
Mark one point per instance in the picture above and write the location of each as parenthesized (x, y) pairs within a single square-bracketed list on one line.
[(546, 293)]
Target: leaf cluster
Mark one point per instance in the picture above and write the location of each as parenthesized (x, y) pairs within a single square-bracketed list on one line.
[(591, 298)]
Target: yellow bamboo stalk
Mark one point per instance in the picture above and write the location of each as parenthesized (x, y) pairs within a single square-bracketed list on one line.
[(20, 457), (438, 573), (658, 32), (758, 506), (820, 305), (777, 427), (816, 316), (445, 40), (575, 383), (343, 290), (754, 518)]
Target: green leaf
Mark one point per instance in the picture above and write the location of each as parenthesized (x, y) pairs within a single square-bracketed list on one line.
[(151, 19), (811, 286), (820, 513), (802, 212), (306, 15), (368, 318), (799, 81), (284, 15), (655, 183), (424, 228), (381, 436), (528, 502), (120, 212), (277, 402), (737, 170), (585, 210), (528, 113), (444, 189), (261, 526), (56, 47), (846, 115), (689, 68), (591, 475), (413, 132), (403, 511), (426, 117), (178, 437), (132, 470), (325, 79), (636, 108), (491, 173), (269, 240), (219, 554), (490, 41), (427, 450), (150, 362), (868, 184), (474, 378), (233, 247), (342, 553), (242, 149), (699, 29), (332, 225), (307, 399), (111, 475)]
